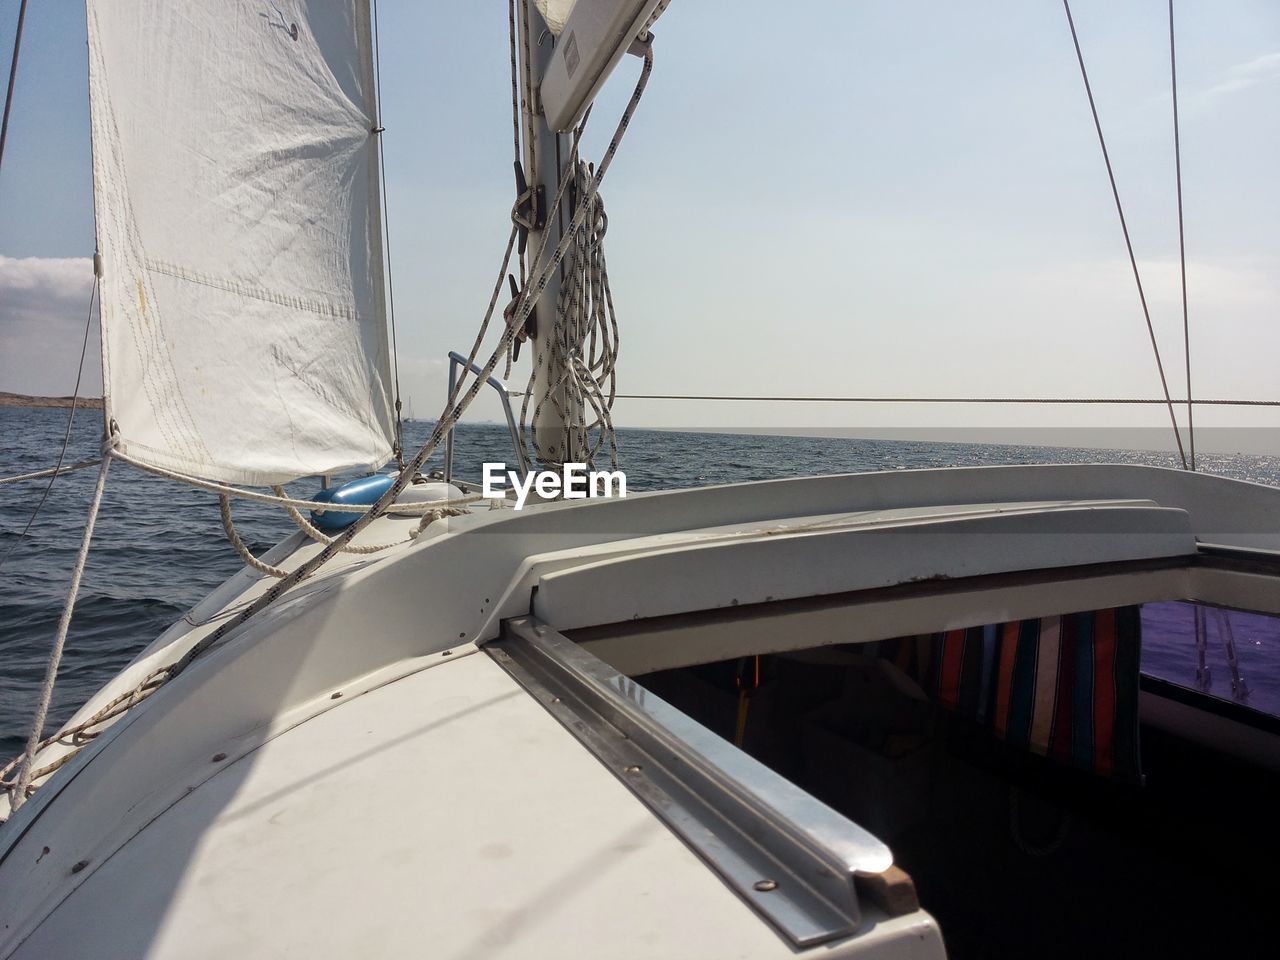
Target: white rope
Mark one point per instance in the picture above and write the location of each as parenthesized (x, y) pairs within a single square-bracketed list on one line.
[(435, 510), (320, 506), (432, 511), (19, 793), (50, 472), (584, 345), (230, 491), (224, 507), (438, 514)]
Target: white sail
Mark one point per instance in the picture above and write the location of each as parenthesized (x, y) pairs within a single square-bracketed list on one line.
[(236, 193)]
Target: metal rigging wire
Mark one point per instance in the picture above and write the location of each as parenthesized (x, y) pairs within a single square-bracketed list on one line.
[(1182, 245), (1124, 226), (1131, 401), (66, 437), (13, 76), (377, 131)]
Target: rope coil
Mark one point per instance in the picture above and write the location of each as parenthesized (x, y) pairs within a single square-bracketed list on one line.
[(584, 347)]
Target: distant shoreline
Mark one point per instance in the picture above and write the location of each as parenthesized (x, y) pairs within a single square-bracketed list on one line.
[(25, 400)]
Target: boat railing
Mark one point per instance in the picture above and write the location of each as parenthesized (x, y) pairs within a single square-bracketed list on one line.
[(505, 393)]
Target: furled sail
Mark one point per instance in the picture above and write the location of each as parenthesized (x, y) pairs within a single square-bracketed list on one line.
[(237, 200)]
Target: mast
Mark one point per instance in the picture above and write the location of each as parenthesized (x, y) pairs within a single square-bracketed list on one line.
[(567, 57), (545, 151)]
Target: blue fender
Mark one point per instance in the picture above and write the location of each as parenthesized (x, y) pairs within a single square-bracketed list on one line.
[(365, 490)]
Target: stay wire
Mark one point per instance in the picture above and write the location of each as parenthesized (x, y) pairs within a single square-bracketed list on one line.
[(13, 76), (515, 80), (378, 130), (1124, 226), (1101, 401), (1182, 244), (66, 436)]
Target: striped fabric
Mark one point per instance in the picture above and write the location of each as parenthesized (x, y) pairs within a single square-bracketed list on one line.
[(1062, 687)]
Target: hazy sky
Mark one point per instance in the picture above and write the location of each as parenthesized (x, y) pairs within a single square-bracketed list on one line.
[(870, 197)]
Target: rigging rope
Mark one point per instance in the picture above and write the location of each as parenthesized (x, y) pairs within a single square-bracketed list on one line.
[(50, 472), (1182, 244), (23, 779), (1124, 227), (224, 508)]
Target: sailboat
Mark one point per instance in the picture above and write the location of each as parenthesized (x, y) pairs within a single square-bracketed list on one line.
[(877, 715)]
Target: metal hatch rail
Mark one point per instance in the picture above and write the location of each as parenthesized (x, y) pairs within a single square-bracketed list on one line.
[(790, 857)]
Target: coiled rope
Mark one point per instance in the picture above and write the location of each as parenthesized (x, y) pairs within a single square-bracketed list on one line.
[(584, 345)]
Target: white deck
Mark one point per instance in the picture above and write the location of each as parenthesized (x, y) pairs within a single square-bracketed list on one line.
[(444, 815)]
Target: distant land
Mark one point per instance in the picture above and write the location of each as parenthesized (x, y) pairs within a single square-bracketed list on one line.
[(23, 400)]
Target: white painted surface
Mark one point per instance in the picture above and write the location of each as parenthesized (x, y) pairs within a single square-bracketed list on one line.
[(445, 815), (594, 38), (831, 556)]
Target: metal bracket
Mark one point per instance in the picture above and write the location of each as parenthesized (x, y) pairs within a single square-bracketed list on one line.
[(505, 394), (790, 857)]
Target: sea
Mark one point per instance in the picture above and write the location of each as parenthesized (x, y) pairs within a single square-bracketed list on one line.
[(159, 547)]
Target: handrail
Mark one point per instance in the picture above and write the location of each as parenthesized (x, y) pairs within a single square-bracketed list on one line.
[(504, 393)]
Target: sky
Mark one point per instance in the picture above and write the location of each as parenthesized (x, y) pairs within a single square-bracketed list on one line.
[(824, 198)]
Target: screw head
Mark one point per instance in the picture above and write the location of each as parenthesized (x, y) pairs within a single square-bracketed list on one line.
[(633, 769), (219, 757), (765, 886)]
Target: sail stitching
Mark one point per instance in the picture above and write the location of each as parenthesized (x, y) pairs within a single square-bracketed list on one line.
[(238, 287)]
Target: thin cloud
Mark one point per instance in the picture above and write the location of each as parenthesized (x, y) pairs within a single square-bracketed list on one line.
[(1248, 74)]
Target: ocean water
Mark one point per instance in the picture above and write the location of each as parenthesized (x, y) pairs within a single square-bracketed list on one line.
[(159, 547)]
